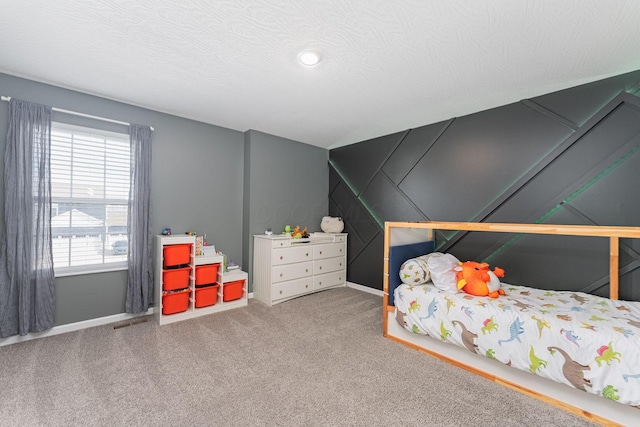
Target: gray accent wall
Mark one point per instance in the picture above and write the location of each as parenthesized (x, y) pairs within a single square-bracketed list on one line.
[(568, 157), (286, 183), (202, 180)]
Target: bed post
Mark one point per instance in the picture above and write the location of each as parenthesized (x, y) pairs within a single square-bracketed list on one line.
[(614, 260), (385, 279)]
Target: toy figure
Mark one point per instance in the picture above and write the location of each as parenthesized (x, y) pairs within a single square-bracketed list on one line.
[(476, 279)]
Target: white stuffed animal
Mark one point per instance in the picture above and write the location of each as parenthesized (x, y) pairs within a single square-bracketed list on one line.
[(330, 224)]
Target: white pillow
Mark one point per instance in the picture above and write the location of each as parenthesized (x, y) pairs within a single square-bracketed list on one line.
[(415, 271), (443, 272)]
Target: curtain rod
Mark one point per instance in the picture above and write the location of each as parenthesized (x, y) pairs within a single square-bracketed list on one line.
[(75, 113)]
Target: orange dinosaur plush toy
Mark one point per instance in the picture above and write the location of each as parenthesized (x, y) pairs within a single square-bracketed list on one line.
[(476, 279)]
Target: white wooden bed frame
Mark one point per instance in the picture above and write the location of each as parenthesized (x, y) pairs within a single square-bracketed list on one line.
[(589, 406)]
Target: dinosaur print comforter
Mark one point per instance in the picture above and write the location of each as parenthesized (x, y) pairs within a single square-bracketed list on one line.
[(585, 341)]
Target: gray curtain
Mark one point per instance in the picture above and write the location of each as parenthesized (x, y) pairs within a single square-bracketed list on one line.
[(27, 281), (140, 283)]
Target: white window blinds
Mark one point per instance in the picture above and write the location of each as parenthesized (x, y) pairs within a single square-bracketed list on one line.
[(90, 175)]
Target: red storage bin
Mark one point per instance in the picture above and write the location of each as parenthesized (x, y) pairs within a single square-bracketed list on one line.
[(177, 278), (207, 274), (176, 254), (232, 290), (175, 302), (206, 296)]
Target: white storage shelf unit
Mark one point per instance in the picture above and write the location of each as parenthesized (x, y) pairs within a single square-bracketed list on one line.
[(230, 287), (285, 268)]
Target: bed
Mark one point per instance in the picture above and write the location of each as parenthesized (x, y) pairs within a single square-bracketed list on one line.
[(528, 336)]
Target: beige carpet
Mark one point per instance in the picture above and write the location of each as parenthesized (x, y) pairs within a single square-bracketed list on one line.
[(319, 360)]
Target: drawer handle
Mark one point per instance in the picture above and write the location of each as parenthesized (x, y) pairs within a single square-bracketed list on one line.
[(340, 264), (306, 270), (306, 286), (280, 274), (307, 254), (281, 256), (280, 291), (319, 283), (320, 252), (320, 267), (281, 244), (340, 250)]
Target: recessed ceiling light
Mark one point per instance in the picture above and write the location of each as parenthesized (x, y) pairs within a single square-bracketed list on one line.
[(309, 58)]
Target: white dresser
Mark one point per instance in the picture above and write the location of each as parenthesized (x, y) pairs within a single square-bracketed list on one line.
[(285, 268)]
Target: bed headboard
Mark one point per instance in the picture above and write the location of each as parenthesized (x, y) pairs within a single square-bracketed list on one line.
[(398, 255)]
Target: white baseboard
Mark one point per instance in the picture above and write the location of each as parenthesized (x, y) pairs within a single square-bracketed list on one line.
[(365, 289), (70, 327)]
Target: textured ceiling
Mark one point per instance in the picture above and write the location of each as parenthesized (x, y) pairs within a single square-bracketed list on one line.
[(387, 65)]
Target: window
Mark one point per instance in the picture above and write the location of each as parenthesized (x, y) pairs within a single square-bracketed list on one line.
[(89, 195)]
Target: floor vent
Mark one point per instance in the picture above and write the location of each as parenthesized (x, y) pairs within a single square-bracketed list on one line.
[(131, 323)]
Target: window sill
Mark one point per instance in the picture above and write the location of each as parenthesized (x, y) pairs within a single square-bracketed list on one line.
[(79, 271)]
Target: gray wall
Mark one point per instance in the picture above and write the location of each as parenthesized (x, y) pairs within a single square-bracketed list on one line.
[(197, 185), (286, 183), (565, 157), (227, 184)]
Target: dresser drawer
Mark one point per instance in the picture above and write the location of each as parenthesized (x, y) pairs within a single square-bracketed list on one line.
[(329, 250), (327, 280), (291, 288), (283, 273), (328, 265), (280, 243), (291, 255)]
